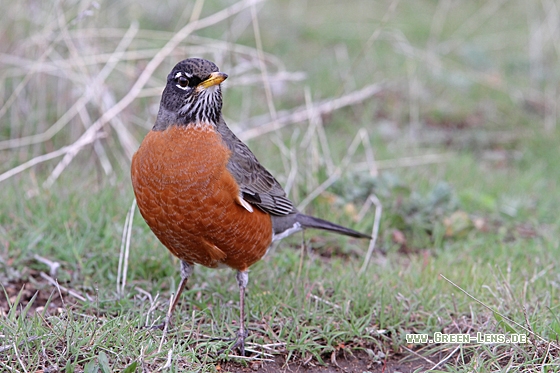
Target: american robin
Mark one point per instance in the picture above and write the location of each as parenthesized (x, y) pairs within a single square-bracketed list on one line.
[(202, 191)]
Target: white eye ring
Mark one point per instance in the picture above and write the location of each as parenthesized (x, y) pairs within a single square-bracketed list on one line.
[(183, 81)]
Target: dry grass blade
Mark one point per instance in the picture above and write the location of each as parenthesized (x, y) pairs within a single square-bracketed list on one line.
[(474, 22), (249, 358), (316, 126), (53, 266), (86, 138), (446, 358), (262, 64), (125, 250), (45, 157), (167, 362), (501, 314), (302, 113), (375, 231), (321, 300), (19, 358), (71, 292), (361, 137), (90, 90), (35, 67), (7, 347), (99, 148), (418, 355), (415, 161), (91, 134)]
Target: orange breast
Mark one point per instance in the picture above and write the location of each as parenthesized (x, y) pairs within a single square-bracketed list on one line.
[(188, 198)]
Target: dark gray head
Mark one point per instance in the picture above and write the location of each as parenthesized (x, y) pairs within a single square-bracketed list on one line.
[(192, 94)]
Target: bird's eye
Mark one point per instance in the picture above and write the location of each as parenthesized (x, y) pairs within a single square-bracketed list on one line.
[(182, 82)]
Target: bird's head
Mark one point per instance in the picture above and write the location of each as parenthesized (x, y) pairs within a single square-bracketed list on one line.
[(192, 94)]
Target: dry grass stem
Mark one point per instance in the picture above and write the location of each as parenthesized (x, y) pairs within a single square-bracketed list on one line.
[(7, 347), (167, 320), (91, 134), (91, 89), (439, 363), (125, 250), (316, 127), (501, 314), (318, 299), (19, 358), (375, 230), (415, 161), (154, 304), (301, 114), (45, 157), (361, 137), (262, 64), (53, 266), (418, 355), (168, 362), (60, 288), (249, 358), (146, 74)]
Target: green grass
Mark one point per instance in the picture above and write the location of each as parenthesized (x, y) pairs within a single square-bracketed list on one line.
[(474, 87)]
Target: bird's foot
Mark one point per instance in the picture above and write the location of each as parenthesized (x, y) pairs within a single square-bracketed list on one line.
[(240, 341)]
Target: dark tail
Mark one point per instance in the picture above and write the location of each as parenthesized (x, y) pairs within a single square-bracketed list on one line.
[(284, 225), (307, 221)]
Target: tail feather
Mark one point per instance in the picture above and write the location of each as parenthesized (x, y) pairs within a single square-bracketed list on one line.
[(284, 225), (307, 221)]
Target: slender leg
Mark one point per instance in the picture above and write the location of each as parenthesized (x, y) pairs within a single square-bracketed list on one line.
[(242, 280), (186, 271)]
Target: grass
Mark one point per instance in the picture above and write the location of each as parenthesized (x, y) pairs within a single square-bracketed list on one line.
[(468, 89)]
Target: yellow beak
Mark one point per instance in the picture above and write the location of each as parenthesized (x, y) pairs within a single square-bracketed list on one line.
[(214, 79)]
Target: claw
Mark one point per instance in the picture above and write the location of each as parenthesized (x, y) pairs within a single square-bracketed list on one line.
[(240, 341)]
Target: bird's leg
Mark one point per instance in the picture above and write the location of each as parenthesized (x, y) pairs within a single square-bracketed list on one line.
[(242, 280), (186, 271)]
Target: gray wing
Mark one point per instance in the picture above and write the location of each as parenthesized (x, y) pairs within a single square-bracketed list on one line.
[(257, 185)]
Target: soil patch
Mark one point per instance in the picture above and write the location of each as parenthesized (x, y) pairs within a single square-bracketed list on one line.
[(359, 362), (44, 292)]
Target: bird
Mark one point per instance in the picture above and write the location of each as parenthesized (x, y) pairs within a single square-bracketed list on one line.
[(201, 190)]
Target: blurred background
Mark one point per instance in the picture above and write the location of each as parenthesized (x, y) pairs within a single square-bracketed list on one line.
[(444, 112), (442, 75), (326, 94)]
